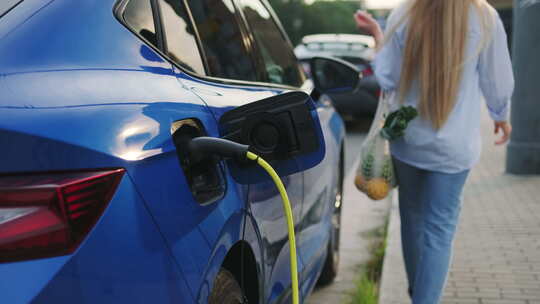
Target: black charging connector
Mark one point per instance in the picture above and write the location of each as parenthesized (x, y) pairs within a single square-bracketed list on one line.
[(204, 147), (199, 158)]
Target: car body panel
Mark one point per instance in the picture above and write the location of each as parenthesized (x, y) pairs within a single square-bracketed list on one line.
[(18, 289), (96, 96), (319, 190), (97, 110), (264, 200), (96, 272)]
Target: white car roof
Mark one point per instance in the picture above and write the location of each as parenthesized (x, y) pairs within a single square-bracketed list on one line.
[(336, 45), (339, 38)]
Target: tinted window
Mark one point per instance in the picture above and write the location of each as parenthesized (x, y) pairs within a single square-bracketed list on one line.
[(222, 40), (279, 61), (139, 17), (180, 36)]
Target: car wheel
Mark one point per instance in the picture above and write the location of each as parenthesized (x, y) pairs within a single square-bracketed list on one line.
[(330, 268), (226, 289)]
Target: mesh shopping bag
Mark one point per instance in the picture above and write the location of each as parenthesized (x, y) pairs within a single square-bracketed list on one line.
[(375, 175)]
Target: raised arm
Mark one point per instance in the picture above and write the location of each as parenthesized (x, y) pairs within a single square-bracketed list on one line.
[(388, 61), (366, 23)]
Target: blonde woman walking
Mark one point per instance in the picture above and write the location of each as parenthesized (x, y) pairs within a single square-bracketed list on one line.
[(442, 57)]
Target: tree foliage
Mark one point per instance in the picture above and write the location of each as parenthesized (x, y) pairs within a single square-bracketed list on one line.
[(321, 17)]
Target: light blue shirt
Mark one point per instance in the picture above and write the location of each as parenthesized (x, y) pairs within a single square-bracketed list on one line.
[(487, 73)]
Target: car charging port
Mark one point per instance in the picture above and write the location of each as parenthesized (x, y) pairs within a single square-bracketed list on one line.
[(202, 171)]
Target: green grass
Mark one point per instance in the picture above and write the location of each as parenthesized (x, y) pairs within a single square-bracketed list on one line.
[(367, 285), (366, 291), (374, 265)]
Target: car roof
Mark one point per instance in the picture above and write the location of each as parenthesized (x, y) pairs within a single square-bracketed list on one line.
[(339, 38), (6, 5)]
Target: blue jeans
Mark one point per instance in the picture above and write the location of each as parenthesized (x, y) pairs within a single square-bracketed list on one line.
[(429, 205)]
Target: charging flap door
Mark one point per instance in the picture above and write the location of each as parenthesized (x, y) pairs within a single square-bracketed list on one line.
[(283, 129)]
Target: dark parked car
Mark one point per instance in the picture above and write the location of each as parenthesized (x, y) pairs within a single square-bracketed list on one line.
[(355, 49), (100, 199)]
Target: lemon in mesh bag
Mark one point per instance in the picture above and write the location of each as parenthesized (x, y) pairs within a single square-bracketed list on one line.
[(375, 175)]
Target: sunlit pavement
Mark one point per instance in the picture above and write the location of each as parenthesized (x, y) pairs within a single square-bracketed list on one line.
[(359, 215), (497, 248)]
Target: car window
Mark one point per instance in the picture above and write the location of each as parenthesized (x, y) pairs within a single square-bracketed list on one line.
[(138, 16), (222, 40), (180, 36), (280, 63)]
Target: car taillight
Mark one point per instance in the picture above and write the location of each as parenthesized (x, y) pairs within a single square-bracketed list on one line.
[(367, 72), (44, 215)]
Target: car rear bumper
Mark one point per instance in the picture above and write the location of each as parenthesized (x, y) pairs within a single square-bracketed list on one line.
[(123, 260)]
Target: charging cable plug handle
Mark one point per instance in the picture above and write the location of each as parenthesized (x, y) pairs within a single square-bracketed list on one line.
[(202, 147)]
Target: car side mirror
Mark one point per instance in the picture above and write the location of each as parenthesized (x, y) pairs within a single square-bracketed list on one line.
[(333, 75), (283, 129)]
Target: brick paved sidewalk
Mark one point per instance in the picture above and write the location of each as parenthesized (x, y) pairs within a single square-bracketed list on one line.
[(497, 247)]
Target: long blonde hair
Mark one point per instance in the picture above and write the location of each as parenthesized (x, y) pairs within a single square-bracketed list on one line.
[(435, 51)]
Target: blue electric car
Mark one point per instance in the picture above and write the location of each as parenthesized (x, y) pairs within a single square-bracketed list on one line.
[(101, 199)]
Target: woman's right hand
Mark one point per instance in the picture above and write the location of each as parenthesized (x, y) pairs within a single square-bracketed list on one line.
[(368, 24), (365, 22)]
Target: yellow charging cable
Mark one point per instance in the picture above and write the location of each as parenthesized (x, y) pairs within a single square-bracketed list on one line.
[(290, 221)]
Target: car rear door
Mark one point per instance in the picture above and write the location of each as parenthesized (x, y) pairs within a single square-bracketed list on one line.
[(230, 77), (191, 209), (320, 182)]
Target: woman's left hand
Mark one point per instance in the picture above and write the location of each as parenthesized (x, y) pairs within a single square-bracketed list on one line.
[(506, 128)]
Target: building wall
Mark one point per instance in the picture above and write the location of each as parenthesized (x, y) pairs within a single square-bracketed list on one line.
[(505, 9)]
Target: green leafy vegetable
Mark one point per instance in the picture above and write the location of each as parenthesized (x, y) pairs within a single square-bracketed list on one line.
[(397, 121)]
